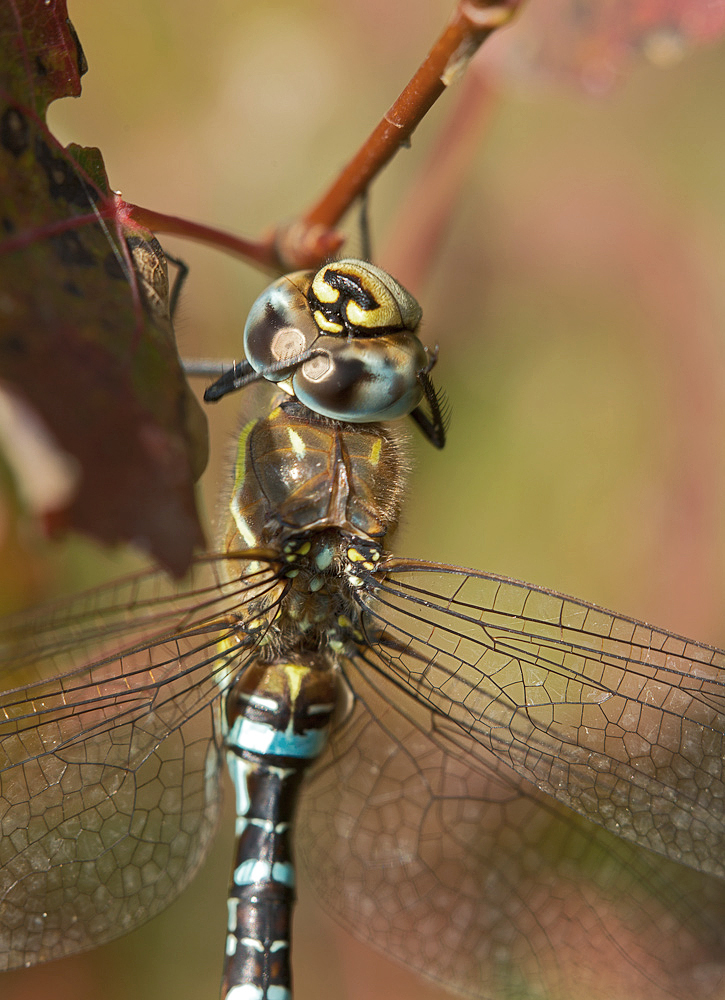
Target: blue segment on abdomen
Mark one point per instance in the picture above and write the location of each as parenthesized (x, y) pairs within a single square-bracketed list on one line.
[(260, 738), (253, 870)]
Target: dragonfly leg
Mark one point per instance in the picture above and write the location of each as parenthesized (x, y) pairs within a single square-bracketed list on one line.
[(433, 424), (182, 273)]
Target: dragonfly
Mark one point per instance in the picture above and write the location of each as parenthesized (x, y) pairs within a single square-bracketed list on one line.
[(513, 792)]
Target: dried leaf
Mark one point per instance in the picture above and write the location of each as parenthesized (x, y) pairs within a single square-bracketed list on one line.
[(85, 333)]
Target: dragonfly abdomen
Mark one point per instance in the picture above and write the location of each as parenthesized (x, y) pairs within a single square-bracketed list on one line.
[(278, 717)]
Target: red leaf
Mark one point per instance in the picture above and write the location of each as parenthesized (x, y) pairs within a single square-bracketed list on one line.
[(85, 333), (42, 56)]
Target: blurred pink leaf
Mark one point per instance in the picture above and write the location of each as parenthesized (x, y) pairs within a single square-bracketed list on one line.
[(592, 42)]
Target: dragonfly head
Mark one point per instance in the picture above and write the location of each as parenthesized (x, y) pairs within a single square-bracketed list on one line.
[(349, 332)]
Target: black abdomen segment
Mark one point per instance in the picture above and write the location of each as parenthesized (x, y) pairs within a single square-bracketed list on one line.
[(278, 716)]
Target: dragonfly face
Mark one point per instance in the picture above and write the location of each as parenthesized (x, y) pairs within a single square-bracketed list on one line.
[(358, 326), (343, 342), (524, 795)]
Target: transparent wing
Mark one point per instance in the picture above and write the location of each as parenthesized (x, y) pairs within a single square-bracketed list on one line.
[(617, 720), (109, 766), (441, 856)]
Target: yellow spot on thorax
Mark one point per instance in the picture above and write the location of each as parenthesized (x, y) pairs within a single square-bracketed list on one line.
[(298, 445), (240, 461), (240, 471)]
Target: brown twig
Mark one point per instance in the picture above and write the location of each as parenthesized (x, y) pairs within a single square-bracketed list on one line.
[(312, 238), (470, 25), (416, 234)]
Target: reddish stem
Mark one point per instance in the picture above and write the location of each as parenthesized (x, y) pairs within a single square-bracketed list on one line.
[(417, 231), (257, 251), (313, 238), (33, 235), (472, 22), (311, 244)]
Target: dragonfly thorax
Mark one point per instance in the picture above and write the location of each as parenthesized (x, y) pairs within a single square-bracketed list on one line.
[(314, 610), (299, 475)]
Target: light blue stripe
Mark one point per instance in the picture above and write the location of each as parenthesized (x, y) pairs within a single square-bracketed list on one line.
[(253, 870), (258, 737), (239, 769)]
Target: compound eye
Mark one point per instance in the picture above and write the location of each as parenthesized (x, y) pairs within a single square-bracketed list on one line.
[(359, 324), (354, 298), (364, 379), (280, 325)]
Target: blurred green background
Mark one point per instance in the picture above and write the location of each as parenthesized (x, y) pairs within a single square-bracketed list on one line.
[(578, 297)]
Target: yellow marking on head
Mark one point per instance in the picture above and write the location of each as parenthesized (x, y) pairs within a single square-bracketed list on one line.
[(354, 556), (326, 325), (375, 451), (304, 548), (323, 289), (372, 319), (392, 305)]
